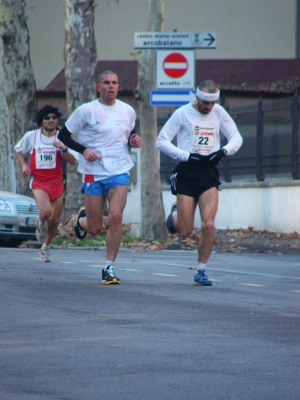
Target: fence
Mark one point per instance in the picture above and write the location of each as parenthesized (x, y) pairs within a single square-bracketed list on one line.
[(270, 130)]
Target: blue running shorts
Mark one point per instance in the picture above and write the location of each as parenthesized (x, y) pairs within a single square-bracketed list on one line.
[(99, 188)]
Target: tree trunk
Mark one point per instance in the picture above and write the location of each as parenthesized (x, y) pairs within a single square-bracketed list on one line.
[(153, 215), (80, 64), (5, 183), (19, 83)]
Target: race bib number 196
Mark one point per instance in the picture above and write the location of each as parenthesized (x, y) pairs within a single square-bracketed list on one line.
[(45, 157), (203, 139)]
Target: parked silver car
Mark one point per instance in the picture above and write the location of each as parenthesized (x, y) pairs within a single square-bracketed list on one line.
[(18, 215)]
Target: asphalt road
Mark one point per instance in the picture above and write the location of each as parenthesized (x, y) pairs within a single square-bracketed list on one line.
[(158, 335)]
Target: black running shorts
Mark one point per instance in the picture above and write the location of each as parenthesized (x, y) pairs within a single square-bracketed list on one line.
[(190, 181)]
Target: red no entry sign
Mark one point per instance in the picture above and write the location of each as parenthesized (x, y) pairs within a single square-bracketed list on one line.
[(175, 69), (175, 65)]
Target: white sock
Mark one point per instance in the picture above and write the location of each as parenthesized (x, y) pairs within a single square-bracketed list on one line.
[(201, 266), (109, 263)]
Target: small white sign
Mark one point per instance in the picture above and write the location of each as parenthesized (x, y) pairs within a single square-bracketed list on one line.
[(175, 40), (175, 69)]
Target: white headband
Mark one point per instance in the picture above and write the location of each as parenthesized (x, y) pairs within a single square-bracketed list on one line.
[(210, 97)]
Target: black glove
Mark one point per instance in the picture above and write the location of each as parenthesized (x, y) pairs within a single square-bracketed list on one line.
[(196, 158), (216, 157)]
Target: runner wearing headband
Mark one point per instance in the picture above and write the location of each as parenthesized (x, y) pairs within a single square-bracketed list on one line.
[(195, 180)]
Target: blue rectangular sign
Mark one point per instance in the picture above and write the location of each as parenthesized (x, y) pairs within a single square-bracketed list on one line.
[(171, 98)]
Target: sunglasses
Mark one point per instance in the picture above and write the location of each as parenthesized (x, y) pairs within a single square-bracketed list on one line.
[(47, 117)]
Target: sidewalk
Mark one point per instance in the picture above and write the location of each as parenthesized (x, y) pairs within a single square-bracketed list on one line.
[(235, 241), (250, 241), (242, 241)]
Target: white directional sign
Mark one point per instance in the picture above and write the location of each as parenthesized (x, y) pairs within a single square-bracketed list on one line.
[(175, 40), (171, 98), (175, 69)]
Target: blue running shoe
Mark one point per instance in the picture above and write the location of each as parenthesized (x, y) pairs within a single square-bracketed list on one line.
[(202, 278), (170, 220)]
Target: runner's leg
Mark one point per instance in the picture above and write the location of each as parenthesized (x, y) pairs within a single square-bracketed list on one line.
[(43, 202), (93, 222), (184, 220), (54, 219), (116, 203), (208, 205)]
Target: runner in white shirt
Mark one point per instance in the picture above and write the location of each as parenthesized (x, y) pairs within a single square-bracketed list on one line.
[(195, 180), (104, 128)]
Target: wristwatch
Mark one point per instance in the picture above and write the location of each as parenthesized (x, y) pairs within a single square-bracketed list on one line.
[(65, 150), (224, 151)]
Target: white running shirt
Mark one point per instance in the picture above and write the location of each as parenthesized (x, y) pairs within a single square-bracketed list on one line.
[(106, 130), (198, 133)]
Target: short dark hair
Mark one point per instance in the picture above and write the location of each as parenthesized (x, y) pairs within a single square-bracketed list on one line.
[(208, 84), (106, 72), (48, 109)]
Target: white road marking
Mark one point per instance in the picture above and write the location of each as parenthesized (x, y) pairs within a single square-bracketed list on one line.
[(250, 284), (228, 271), (131, 270), (163, 274)]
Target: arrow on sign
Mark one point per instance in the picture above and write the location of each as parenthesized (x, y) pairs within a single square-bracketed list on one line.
[(171, 98), (211, 39)]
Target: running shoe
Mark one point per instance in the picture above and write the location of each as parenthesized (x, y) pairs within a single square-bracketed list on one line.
[(202, 278), (45, 253), (79, 231), (40, 231), (170, 220), (109, 277)]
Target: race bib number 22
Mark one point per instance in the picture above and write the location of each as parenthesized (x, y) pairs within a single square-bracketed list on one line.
[(203, 139)]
